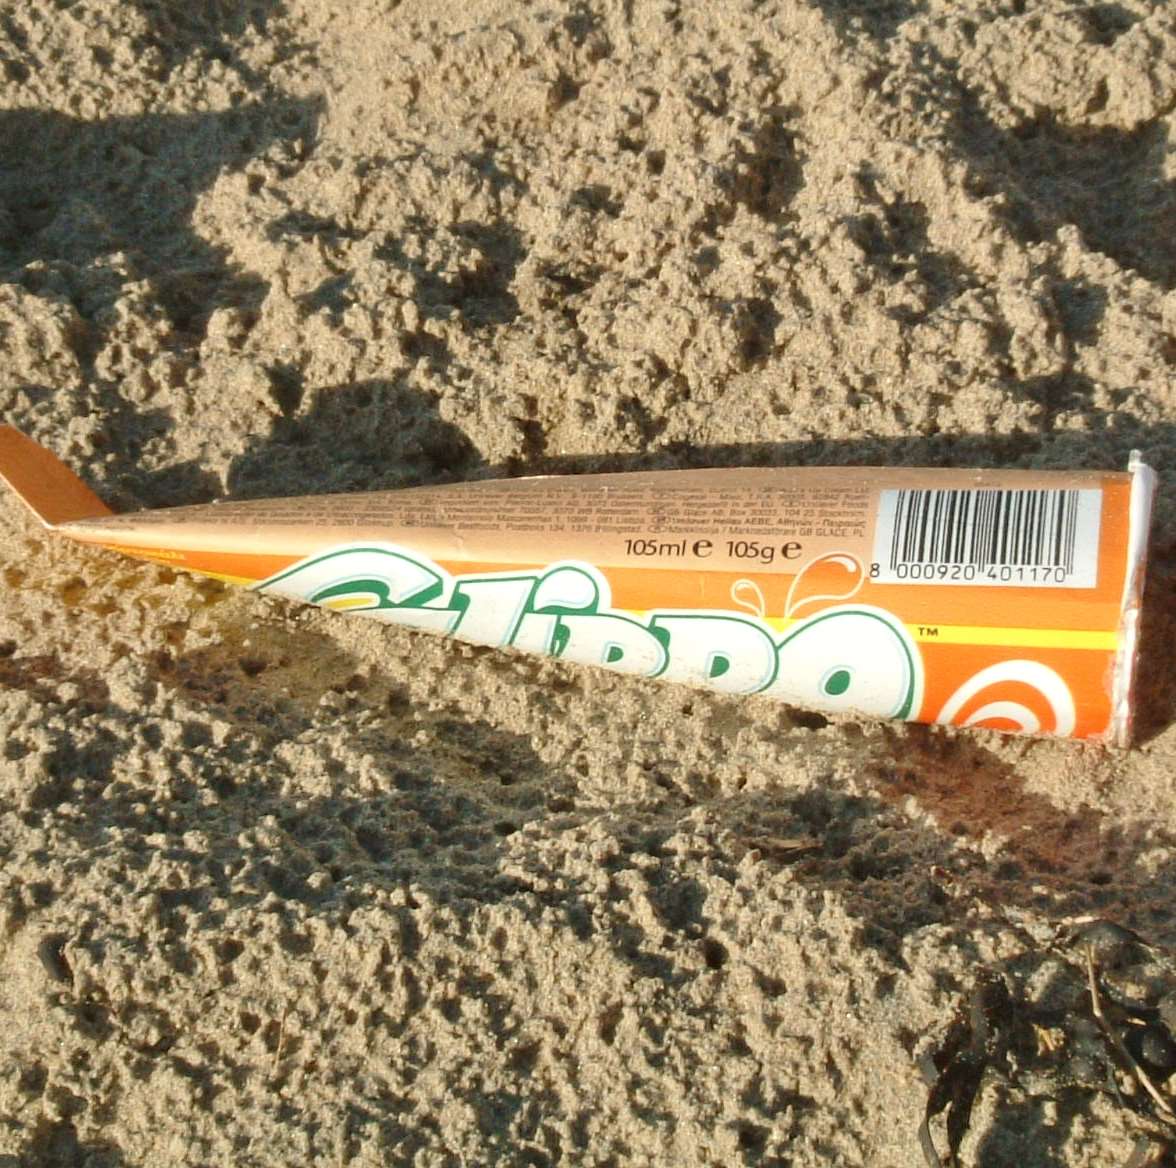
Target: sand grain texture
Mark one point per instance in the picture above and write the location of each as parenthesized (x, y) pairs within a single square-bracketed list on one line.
[(278, 887)]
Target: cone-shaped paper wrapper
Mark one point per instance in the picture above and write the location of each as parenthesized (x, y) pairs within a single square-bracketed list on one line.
[(1001, 599)]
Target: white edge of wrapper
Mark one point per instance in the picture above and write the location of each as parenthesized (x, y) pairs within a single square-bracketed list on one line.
[(1143, 489)]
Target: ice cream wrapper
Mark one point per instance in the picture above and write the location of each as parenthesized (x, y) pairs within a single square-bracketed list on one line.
[(1005, 599)]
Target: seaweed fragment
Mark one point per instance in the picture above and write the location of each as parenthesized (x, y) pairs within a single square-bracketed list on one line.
[(977, 1039), (1114, 1035)]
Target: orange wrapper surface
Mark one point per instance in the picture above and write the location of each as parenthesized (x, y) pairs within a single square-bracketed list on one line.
[(1002, 599)]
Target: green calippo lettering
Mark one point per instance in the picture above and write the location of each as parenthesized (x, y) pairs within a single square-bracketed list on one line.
[(846, 657)]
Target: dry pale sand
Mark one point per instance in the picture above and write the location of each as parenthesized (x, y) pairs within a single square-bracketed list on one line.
[(278, 887)]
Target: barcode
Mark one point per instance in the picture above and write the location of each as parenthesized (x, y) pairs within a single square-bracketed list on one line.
[(1038, 538)]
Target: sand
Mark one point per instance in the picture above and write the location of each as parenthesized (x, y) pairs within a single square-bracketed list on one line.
[(281, 887)]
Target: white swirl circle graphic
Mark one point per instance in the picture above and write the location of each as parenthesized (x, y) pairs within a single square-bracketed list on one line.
[(1039, 677)]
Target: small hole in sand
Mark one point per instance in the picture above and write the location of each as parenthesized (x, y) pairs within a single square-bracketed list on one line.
[(809, 720), (606, 1024), (72, 591), (752, 1137), (714, 954)]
